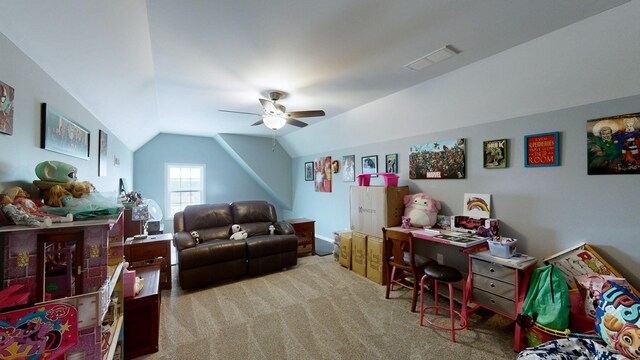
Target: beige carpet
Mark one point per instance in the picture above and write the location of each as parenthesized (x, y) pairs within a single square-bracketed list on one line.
[(317, 310)]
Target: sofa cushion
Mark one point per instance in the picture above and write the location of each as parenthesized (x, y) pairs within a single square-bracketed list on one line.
[(253, 212), (215, 233), (212, 252), (263, 245), (256, 228), (198, 217)]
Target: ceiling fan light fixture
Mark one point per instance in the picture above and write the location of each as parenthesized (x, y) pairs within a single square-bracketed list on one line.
[(274, 122)]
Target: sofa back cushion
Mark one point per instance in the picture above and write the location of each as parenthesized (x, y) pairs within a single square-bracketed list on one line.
[(254, 216), (207, 216)]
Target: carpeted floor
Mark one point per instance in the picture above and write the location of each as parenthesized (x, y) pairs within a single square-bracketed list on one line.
[(317, 310)]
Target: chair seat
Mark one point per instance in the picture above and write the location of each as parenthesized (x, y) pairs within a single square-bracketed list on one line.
[(442, 273)]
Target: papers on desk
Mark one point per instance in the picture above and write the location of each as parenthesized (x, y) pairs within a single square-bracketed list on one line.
[(456, 238)]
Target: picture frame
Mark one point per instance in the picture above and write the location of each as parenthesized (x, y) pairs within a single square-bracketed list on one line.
[(495, 154), (322, 176), (391, 163), (370, 164), (7, 95), (308, 171), (349, 168), (612, 145), (103, 138), (62, 135), (542, 150), (444, 159)]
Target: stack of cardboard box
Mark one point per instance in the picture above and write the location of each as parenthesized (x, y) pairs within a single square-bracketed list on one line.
[(372, 208)]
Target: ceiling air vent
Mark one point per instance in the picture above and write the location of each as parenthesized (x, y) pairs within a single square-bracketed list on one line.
[(431, 58)]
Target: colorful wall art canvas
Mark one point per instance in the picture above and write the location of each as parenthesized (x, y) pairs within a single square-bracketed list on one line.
[(7, 95), (322, 168), (349, 168), (438, 160), (477, 205), (612, 145)]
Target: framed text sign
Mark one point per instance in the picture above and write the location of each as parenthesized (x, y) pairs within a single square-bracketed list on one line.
[(542, 150)]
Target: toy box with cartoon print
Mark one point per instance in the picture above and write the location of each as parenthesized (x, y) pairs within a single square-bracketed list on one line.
[(473, 225)]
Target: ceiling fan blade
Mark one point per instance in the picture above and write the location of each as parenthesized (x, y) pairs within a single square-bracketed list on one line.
[(268, 106), (239, 112), (257, 123), (303, 114), (294, 122)]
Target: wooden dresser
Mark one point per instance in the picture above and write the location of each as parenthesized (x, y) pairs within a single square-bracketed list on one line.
[(306, 233), (152, 250)]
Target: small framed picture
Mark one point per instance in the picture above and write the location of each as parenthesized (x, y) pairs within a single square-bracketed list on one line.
[(495, 154), (102, 153), (542, 150), (308, 171), (370, 164), (391, 163), (348, 168)]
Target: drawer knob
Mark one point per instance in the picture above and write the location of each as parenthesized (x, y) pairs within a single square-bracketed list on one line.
[(492, 270), (492, 285), (493, 301)]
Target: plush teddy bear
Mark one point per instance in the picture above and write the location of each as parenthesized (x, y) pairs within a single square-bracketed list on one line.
[(406, 222), (272, 229), (238, 233), (422, 209)]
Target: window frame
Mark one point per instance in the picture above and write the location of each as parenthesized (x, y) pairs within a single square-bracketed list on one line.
[(167, 191)]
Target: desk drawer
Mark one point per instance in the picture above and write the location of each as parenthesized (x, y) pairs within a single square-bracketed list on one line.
[(494, 271), (148, 251), (306, 237), (495, 302), (494, 286), (304, 249)]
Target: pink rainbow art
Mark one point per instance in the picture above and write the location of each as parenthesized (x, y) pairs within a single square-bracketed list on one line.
[(479, 204)]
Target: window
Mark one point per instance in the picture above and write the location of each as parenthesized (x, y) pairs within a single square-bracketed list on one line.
[(185, 186)]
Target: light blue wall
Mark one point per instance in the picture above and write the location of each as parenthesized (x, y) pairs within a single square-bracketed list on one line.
[(226, 180), (547, 209), (21, 152)]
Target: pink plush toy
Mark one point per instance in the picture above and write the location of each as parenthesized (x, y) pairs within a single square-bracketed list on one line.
[(422, 209)]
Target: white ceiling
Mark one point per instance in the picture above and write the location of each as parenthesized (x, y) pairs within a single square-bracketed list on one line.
[(168, 66)]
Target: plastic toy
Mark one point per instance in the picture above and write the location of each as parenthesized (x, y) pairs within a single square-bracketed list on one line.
[(56, 171), (238, 233), (422, 209)]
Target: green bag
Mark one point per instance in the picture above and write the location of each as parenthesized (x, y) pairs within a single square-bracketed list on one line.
[(547, 300)]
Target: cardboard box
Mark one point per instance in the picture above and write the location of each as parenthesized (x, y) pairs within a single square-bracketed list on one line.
[(345, 250), (359, 253), (376, 265), (375, 207), (336, 242)]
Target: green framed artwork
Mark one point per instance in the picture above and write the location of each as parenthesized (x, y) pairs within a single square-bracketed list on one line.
[(495, 153)]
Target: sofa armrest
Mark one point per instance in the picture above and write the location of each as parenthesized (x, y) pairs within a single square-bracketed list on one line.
[(284, 228), (183, 240)]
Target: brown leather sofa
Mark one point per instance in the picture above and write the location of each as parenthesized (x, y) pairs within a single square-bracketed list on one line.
[(216, 258)]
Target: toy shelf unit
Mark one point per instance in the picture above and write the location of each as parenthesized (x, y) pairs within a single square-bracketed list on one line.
[(70, 278)]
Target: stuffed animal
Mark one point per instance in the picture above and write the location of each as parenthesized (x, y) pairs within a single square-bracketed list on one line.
[(406, 222), (21, 217), (196, 236), (272, 229), (238, 233), (422, 209)]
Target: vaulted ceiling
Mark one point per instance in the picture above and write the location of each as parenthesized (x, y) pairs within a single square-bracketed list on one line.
[(168, 66)]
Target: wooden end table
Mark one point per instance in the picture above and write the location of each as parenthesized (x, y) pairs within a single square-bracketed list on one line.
[(152, 250), (306, 233)]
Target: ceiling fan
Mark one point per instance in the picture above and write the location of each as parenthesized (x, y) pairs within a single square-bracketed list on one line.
[(276, 116)]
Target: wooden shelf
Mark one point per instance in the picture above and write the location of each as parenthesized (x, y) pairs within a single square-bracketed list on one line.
[(115, 334)]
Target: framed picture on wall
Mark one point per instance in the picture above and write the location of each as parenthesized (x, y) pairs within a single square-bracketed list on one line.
[(349, 168), (102, 153), (495, 154), (322, 169), (612, 145), (438, 160), (7, 94), (542, 150), (308, 171), (391, 163), (60, 134), (370, 164)]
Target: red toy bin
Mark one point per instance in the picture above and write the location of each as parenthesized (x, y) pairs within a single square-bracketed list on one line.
[(364, 179), (390, 179)]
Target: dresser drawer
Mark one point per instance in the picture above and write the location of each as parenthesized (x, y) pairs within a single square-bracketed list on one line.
[(494, 271), (148, 251), (304, 249), (494, 286), (495, 302), (305, 237)]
